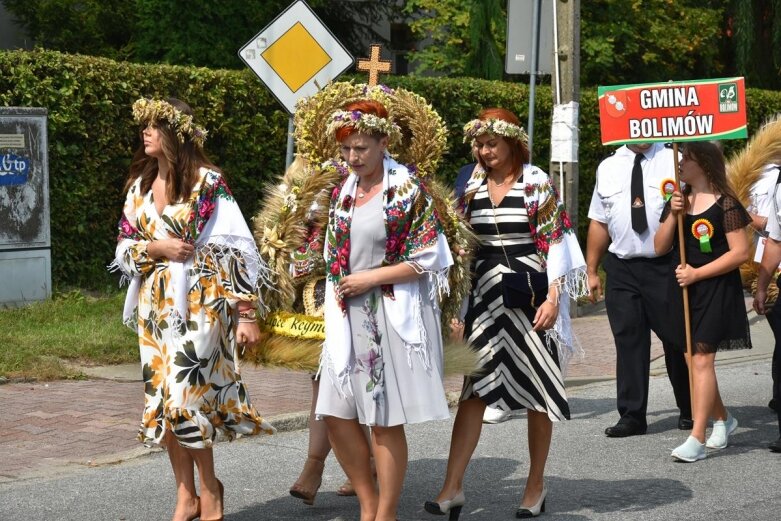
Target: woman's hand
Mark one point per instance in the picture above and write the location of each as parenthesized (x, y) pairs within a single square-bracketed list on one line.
[(676, 202), (172, 249), (456, 330), (247, 333), (686, 275), (546, 316), (760, 298), (356, 284)]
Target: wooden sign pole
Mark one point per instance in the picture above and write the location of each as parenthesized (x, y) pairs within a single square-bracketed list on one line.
[(682, 247)]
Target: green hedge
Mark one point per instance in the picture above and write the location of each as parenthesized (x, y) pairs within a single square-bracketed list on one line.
[(92, 135)]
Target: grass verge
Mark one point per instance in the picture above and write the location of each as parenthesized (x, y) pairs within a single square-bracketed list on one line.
[(39, 341)]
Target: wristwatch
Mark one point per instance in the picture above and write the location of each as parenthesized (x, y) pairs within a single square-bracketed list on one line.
[(250, 314)]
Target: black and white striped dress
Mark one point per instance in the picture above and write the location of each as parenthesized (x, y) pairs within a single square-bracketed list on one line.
[(517, 369)]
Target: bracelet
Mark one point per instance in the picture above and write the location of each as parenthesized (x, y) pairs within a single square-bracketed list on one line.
[(247, 321), (249, 313)]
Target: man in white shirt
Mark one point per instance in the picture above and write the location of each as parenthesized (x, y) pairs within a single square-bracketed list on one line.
[(767, 268), (625, 208)]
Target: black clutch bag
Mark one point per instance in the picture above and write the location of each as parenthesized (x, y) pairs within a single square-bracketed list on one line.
[(525, 289)]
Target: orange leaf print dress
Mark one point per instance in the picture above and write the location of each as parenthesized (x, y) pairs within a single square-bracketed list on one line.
[(185, 313)]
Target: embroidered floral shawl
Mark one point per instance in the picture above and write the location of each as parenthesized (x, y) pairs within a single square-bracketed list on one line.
[(556, 244), (215, 227), (413, 235)]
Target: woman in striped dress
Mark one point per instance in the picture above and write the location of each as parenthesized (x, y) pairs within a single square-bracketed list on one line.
[(519, 220)]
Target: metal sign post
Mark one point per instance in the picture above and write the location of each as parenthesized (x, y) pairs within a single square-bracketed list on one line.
[(527, 54)]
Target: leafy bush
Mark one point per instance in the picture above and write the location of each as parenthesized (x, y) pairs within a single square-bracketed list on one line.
[(92, 136)]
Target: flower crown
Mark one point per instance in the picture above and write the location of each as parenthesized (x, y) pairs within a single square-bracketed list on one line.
[(146, 111), (364, 123), (499, 127)]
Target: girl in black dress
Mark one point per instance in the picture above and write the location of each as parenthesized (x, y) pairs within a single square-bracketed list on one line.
[(716, 245)]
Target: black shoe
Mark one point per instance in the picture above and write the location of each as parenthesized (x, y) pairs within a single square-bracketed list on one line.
[(772, 404), (685, 424), (622, 430), (775, 446)]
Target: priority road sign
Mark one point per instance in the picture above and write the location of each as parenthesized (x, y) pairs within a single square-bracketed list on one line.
[(295, 55)]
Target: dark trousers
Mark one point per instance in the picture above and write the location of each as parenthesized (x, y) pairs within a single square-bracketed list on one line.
[(636, 301), (774, 319)]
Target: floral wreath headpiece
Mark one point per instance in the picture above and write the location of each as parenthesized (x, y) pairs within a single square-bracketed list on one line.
[(364, 123), (499, 127), (146, 111)]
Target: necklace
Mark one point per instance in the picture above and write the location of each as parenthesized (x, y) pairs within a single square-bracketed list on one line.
[(361, 195), (506, 179)]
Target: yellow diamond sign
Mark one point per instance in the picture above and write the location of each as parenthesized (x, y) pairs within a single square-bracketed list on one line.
[(295, 55)]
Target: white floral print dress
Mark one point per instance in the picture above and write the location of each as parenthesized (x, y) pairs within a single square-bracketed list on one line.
[(186, 313)]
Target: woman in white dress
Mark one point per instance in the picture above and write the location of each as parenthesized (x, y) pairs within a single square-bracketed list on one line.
[(386, 260)]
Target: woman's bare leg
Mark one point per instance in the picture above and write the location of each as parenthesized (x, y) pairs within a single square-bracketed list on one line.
[(312, 474), (466, 433), (705, 390), (540, 432), (352, 450), (390, 456), (211, 497), (182, 464)]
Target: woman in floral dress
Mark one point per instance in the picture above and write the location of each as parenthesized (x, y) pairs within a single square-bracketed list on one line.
[(194, 276), (386, 258)]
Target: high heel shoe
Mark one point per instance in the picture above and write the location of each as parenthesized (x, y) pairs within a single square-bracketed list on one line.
[(312, 467), (451, 506), (222, 502), (534, 510), (197, 512)]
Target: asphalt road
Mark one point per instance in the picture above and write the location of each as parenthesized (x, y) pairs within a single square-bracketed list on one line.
[(589, 476)]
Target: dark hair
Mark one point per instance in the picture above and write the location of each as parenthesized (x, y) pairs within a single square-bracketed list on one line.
[(184, 159), (519, 150), (366, 106), (711, 160)]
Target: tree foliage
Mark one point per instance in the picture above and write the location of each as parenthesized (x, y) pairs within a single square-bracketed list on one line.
[(97, 27), (459, 35), (651, 40), (485, 59), (757, 35), (183, 32)]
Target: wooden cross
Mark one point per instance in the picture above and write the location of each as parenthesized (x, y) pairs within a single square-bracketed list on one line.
[(374, 65)]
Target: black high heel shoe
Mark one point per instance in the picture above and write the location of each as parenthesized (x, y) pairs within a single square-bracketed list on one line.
[(535, 509), (451, 506)]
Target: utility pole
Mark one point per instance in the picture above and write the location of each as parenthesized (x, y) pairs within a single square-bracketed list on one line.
[(567, 68), (566, 101)]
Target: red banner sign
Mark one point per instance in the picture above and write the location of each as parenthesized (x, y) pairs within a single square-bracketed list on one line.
[(673, 111)]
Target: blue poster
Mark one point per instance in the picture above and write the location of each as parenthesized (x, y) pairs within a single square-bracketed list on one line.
[(13, 169)]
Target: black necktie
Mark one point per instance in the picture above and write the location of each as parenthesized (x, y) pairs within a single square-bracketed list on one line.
[(639, 220)]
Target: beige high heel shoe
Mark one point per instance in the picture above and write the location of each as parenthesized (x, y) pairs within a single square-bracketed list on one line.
[(222, 502), (312, 467), (534, 510), (450, 506)]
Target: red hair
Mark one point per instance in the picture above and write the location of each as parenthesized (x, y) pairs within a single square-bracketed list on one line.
[(519, 150), (367, 106)]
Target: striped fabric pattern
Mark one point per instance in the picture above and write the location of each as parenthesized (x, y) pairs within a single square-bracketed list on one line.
[(518, 370)]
